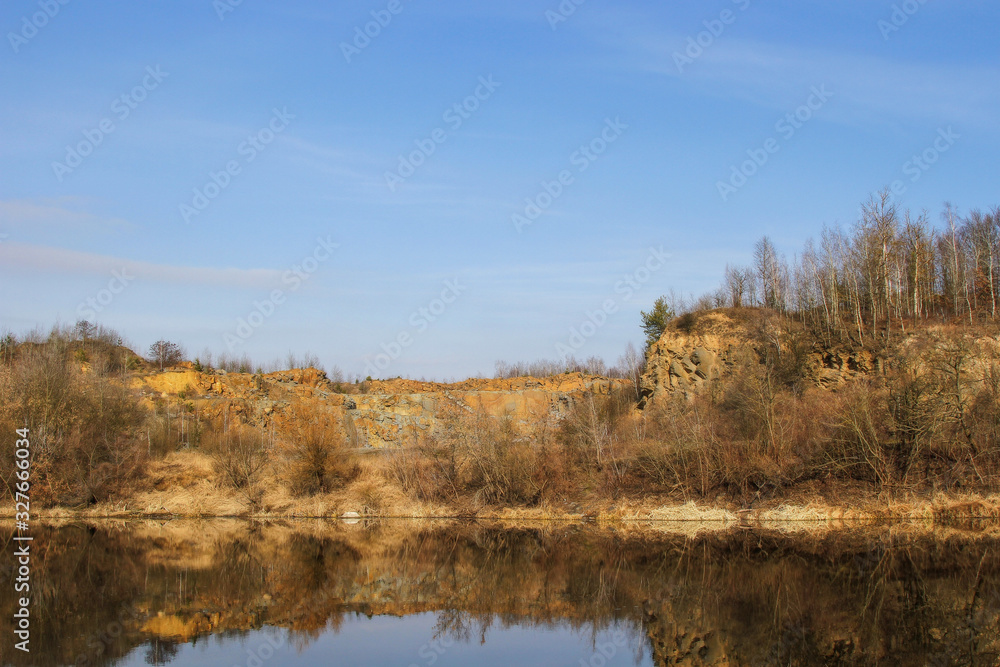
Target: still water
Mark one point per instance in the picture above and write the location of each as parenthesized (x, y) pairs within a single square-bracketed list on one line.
[(423, 593)]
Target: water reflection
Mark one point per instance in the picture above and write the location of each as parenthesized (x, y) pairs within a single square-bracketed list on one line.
[(422, 593)]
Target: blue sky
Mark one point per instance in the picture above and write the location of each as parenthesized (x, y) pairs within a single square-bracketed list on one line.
[(339, 260)]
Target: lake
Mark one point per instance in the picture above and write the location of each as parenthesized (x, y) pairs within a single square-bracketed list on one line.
[(421, 593)]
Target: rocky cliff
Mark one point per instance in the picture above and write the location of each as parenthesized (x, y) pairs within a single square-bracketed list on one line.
[(701, 348), (386, 413), (694, 352)]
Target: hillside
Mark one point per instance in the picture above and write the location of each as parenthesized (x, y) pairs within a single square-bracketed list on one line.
[(740, 413)]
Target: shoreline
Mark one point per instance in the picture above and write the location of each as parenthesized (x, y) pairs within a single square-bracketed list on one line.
[(942, 510)]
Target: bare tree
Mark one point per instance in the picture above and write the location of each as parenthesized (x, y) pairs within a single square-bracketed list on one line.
[(917, 255), (631, 364), (737, 285), (771, 274), (831, 274), (981, 237), (952, 264), (164, 353)]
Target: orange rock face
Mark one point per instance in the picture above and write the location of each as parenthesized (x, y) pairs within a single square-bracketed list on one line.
[(388, 413)]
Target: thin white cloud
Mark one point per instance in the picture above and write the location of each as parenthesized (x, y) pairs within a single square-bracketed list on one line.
[(868, 88), (327, 153), (61, 213), (46, 260), (336, 163)]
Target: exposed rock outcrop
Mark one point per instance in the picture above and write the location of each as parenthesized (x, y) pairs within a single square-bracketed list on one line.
[(687, 358), (695, 351), (701, 348), (388, 413)]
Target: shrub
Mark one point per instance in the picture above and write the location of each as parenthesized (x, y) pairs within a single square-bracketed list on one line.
[(315, 453), (474, 456), (674, 452), (85, 428), (495, 461), (753, 443), (597, 439), (861, 446), (427, 471), (174, 424), (240, 454)]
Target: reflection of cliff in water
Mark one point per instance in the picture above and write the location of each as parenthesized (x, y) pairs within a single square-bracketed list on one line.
[(741, 597)]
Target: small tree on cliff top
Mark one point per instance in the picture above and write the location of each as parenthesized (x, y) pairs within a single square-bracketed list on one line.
[(163, 353), (655, 321)]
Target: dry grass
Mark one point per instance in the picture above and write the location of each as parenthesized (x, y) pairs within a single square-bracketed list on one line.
[(186, 484), (692, 512)]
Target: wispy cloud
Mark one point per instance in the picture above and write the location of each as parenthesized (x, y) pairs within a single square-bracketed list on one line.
[(61, 213), (46, 259), (335, 162), (870, 88)]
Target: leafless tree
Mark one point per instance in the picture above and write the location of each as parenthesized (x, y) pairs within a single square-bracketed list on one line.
[(771, 274), (164, 353), (737, 284), (631, 365)]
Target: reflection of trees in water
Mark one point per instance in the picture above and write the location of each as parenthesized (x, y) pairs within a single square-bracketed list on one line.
[(460, 626), (160, 652), (71, 569), (240, 568), (772, 600), (747, 596), (308, 579), (919, 603)]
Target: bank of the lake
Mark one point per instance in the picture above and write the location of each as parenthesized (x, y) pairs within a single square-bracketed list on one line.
[(187, 485)]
